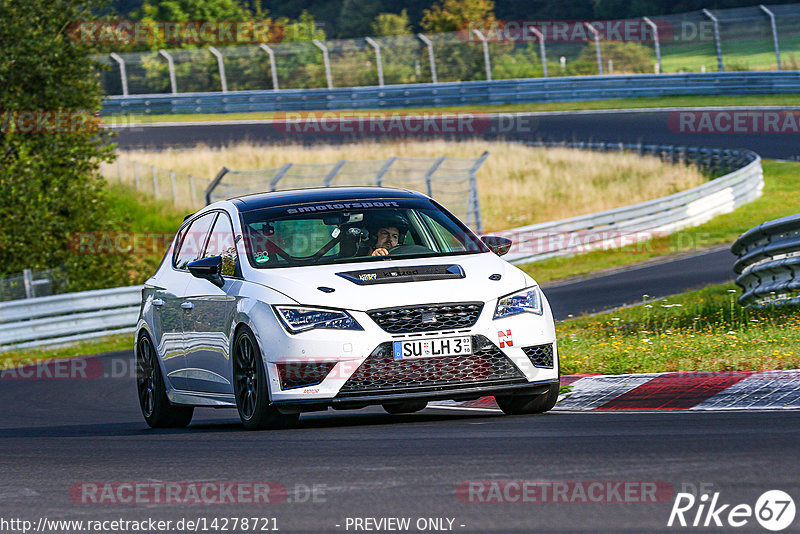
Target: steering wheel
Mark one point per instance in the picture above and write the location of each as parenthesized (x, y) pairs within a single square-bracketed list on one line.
[(400, 250)]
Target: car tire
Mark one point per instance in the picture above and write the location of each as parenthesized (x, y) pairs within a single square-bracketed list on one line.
[(405, 407), (529, 404), (152, 391), (251, 388)]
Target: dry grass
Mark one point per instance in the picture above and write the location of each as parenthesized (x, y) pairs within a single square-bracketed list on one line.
[(518, 185)]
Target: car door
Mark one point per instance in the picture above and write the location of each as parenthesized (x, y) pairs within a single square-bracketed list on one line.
[(209, 315), (169, 300)]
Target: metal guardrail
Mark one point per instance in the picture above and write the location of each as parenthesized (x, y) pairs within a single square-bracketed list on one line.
[(68, 317), (634, 224), (517, 91), (768, 267)]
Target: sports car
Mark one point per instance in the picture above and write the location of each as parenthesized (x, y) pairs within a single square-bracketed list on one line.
[(344, 297)]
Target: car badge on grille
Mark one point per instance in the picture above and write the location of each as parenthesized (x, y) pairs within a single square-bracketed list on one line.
[(429, 317)]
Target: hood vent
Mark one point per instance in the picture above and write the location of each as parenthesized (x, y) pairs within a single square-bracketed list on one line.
[(393, 275)]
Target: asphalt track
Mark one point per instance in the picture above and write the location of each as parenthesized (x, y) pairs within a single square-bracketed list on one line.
[(628, 126)]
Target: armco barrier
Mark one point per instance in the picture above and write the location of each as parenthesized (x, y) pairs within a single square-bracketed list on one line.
[(769, 262), (518, 91), (68, 317), (630, 224)]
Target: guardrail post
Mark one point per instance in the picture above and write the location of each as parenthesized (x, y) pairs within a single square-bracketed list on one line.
[(431, 57), (771, 16), (542, 52), (714, 19), (378, 61), (429, 174), (326, 59), (487, 63), (656, 42), (384, 170), (214, 183), (277, 178), (272, 67), (174, 189), (331, 175), (171, 65), (221, 67), (27, 278), (123, 75), (596, 46)]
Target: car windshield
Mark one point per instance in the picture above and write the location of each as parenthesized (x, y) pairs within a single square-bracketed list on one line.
[(353, 231)]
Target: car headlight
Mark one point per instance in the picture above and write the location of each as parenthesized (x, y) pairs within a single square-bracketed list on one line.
[(528, 300), (298, 319)]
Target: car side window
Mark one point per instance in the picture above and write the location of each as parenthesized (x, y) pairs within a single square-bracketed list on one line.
[(193, 240), (221, 243)]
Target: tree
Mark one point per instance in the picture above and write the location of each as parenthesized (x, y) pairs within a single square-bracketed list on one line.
[(386, 24), (454, 15), (50, 189), (356, 15)]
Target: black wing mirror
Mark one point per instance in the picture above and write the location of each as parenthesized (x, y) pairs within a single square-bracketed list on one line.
[(498, 245), (208, 269)]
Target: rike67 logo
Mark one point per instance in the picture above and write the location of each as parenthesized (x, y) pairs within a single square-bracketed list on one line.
[(774, 510)]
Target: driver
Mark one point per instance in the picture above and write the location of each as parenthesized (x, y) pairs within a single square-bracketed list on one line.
[(388, 232)]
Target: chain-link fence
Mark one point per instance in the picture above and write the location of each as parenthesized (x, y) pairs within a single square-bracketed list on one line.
[(31, 284), (749, 38), (451, 181), (181, 189)]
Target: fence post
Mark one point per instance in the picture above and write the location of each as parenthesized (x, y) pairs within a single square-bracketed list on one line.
[(331, 175), (431, 57), (656, 42), (155, 182), (596, 45), (771, 16), (384, 170), (542, 51), (171, 64), (174, 190), (327, 60), (214, 183), (221, 67), (272, 68), (136, 174), (713, 19), (191, 189), (378, 60), (277, 178), (27, 278), (119, 170), (429, 174), (123, 75), (475, 205), (486, 60)]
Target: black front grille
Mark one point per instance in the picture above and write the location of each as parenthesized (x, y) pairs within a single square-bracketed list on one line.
[(427, 318), (540, 355), (297, 375), (381, 374)]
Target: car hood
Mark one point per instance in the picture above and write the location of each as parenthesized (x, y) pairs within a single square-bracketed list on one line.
[(369, 285)]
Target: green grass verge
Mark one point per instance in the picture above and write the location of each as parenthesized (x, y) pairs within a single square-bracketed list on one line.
[(702, 330), (15, 358), (780, 198), (626, 103)]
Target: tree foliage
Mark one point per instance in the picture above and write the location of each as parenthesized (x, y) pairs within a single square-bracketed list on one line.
[(50, 190), (386, 24), (454, 15)]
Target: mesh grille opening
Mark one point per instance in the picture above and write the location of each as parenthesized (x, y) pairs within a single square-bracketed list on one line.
[(540, 355), (301, 374), (427, 318)]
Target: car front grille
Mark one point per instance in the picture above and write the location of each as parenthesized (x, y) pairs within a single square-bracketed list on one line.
[(427, 318), (297, 375), (381, 374), (540, 355)]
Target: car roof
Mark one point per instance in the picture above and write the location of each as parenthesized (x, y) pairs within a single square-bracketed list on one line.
[(319, 194)]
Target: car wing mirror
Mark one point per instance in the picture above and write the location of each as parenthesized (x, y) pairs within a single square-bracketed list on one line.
[(208, 269), (498, 245)]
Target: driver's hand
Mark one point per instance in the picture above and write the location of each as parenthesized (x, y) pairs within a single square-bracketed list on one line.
[(380, 252)]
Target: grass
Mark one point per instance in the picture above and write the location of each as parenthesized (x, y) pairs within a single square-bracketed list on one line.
[(626, 103), (703, 330), (781, 197), (518, 185), (20, 357)]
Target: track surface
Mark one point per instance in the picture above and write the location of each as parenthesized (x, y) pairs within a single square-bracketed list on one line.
[(628, 126)]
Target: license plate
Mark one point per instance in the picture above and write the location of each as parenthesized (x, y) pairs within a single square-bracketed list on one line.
[(426, 348)]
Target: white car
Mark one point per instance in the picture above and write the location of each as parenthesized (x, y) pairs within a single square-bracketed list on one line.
[(293, 301)]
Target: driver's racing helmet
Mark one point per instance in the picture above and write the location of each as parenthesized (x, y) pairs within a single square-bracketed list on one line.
[(388, 220)]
